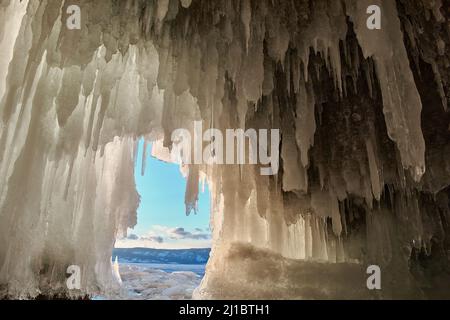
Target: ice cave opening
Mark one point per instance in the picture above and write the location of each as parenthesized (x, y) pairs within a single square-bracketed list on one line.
[(364, 169), (164, 255)]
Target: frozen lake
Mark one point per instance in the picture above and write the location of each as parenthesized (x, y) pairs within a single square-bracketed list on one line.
[(198, 269), (155, 281)]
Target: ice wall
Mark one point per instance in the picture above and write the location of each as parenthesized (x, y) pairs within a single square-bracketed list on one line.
[(364, 170)]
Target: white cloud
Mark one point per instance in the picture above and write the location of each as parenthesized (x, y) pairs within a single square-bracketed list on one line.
[(163, 237)]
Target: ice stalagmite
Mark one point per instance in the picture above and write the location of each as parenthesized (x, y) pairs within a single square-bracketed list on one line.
[(364, 169)]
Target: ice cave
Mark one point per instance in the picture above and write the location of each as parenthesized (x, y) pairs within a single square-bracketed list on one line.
[(363, 114)]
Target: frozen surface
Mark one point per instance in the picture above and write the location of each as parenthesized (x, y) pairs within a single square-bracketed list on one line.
[(157, 282)]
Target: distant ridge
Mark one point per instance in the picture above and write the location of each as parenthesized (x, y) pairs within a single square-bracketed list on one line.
[(163, 256)]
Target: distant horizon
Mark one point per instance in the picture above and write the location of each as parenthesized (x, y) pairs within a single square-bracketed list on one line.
[(171, 249), (162, 222)]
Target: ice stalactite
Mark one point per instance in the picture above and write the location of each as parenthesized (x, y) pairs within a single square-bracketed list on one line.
[(364, 173), (402, 105)]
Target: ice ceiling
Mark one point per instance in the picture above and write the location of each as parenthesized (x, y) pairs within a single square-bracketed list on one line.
[(365, 151)]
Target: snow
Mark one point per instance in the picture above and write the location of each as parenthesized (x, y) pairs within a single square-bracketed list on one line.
[(156, 282), (282, 278)]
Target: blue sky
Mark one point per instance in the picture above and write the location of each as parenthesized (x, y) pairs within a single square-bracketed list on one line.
[(162, 221)]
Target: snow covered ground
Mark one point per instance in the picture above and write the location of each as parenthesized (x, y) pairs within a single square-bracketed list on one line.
[(158, 281)]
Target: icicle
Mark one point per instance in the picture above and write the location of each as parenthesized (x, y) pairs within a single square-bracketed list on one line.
[(305, 122), (294, 177), (191, 196), (144, 158), (246, 16), (374, 172), (186, 3), (116, 271), (335, 215)]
